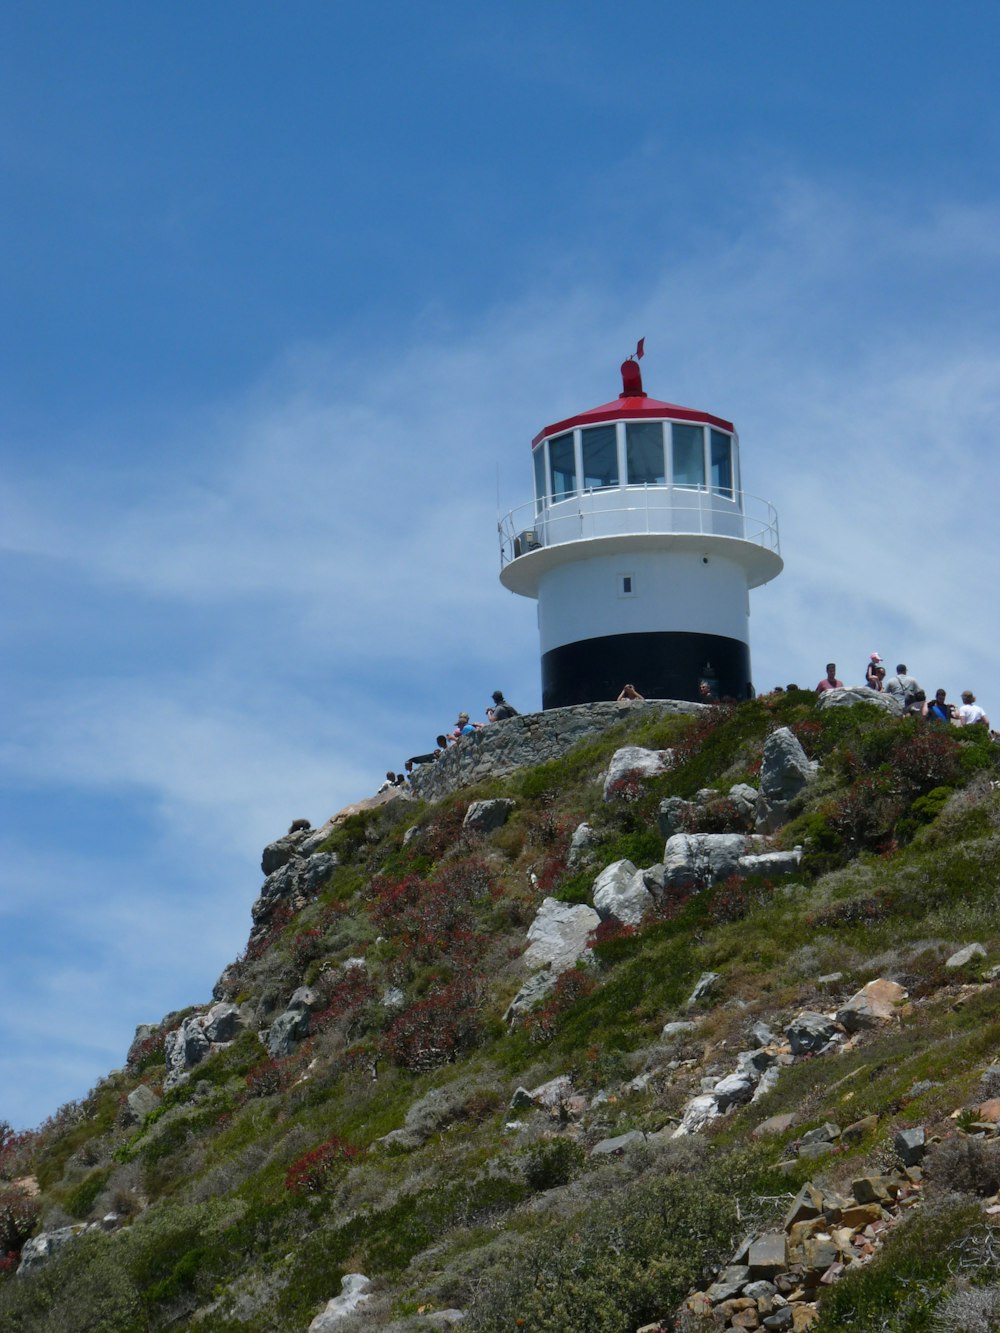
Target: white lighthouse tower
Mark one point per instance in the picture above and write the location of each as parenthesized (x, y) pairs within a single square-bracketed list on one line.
[(641, 548)]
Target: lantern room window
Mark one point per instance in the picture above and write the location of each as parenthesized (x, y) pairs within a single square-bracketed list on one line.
[(563, 463), (644, 453), (600, 457), (540, 488), (722, 463), (689, 455)]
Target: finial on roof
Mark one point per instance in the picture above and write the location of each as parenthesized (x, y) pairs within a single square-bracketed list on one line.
[(632, 375)]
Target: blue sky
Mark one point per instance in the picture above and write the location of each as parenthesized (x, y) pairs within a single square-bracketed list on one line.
[(286, 292)]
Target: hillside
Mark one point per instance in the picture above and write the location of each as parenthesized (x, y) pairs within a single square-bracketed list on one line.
[(358, 1097)]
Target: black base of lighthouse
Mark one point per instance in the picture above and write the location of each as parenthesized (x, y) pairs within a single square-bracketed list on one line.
[(660, 665)]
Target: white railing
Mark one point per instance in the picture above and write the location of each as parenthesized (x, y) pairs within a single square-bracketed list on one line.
[(616, 510)]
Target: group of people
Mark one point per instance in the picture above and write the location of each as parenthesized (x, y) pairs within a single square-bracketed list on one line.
[(907, 690), (498, 711)]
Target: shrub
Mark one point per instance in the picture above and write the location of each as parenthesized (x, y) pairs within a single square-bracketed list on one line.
[(433, 1031), (964, 1166), (313, 1171), (553, 1162), (19, 1213), (542, 1025)]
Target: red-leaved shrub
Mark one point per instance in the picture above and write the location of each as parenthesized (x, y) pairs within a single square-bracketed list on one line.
[(313, 1171)]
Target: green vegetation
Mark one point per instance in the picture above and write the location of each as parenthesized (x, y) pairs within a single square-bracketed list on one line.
[(258, 1183)]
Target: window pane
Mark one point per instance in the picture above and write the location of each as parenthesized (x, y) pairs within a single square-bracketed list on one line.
[(722, 463), (539, 460), (689, 455), (644, 453), (563, 466), (600, 456)]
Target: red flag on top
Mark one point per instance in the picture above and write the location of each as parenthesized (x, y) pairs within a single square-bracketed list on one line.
[(640, 347)]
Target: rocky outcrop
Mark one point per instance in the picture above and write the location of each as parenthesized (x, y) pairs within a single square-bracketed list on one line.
[(634, 761), (696, 860), (558, 936), (197, 1037), (620, 894), (785, 772), (354, 1292), (487, 816), (526, 740), (859, 694)]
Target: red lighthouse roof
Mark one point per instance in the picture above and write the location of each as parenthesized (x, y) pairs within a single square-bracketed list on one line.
[(632, 404)]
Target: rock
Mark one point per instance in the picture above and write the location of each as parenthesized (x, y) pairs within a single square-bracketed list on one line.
[(766, 1255), (771, 865), (558, 935), (860, 1129), (616, 1146), (286, 1030), (826, 1133), (874, 1189), (810, 1031), (581, 845), (989, 1111), (533, 990), (829, 980), (911, 1145), (775, 1124), (279, 853), (317, 870), (696, 860), (965, 956), (552, 1095), (811, 1151), (354, 1289), (521, 1100), (223, 1022), (620, 894), (633, 759), (730, 1282), (673, 816), (780, 1320), (141, 1102), (704, 986), (874, 1003), (785, 772), (679, 1028), (39, 1249), (755, 1061), (744, 797), (185, 1047), (652, 880), (697, 1113), (768, 1082), (305, 999), (734, 1089), (859, 694), (487, 816), (762, 1034)]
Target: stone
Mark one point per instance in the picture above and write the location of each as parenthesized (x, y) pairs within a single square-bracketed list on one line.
[(785, 772), (762, 1290), (780, 1320), (755, 1061), (811, 1151), (825, 1133), (581, 845), (620, 894), (697, 860), (874, 1189), (673, 816), (744, 797), (353, 1292), (859, 694), (766, 1255), (487, 816), (771, 865), (748, 1318), (141, 1102), (39, 1249), (874, 1003), (729, 1283), (768, 1082), (860, 1129), (279, 853), (558, 935), (762, 1034), (305, 999), (317, 870), (989, 1111), (223, 1022), (533, 990), (183, 1048), (680, 1028), (553, 1094), (861, 1215), (911, 1145), (697, 1113), (634, 760), (808, 1204), (652, 879), (286, 1031), (804, 1316), (810, 1031), (734, 1090), (704, 986), (965, 956), (616, 1146), (775, 1124)]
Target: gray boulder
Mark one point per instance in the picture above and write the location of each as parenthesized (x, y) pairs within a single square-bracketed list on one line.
[(304, 1000), (810, 1031), (286, 1031), (735, 1089), (744, 797), (859, 694), (279, 853), (354, 1288), (582, 843), (673, 816), (679, 1028), (39, 1249), (533, 990), (141, 1102), (704, 986), (785, 771), (696, 860), (965, 956), (184, 1048), (318, 869), (771, 864), (557, 937), (618, 1145), (223, 1022), (635, 759), (486, 816), (620, 894)]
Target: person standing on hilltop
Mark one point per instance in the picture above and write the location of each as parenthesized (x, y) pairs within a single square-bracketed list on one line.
[(871, 672), (830, 681), (901, 686)]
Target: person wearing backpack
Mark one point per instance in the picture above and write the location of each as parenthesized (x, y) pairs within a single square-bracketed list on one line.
[(902, 686)]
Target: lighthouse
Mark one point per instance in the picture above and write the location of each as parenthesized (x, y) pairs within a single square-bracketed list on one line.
[(640, 547)]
